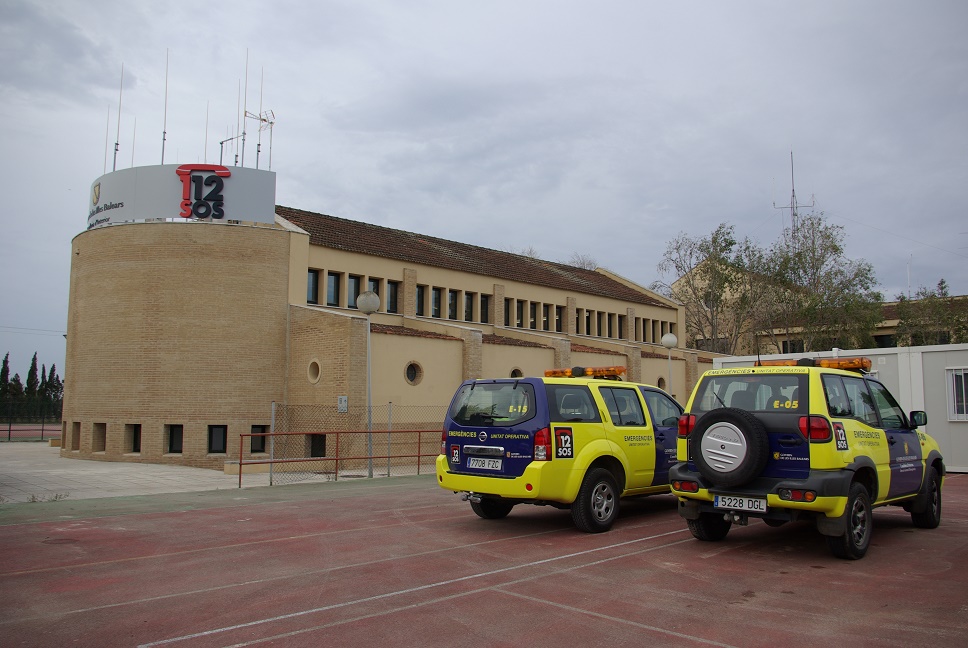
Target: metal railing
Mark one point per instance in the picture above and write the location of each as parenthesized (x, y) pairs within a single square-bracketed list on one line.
[(329, 456)]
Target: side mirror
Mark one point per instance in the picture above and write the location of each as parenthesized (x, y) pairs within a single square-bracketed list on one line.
[(918, 418)]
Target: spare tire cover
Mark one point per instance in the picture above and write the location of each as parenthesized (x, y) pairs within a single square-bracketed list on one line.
[(729, 447)]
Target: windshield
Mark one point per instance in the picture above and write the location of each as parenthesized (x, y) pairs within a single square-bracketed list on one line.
[(751, 392), (499, 403)]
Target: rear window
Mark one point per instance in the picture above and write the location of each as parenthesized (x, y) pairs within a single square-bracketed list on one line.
[(752, 392), (501, 403), (571, 404)]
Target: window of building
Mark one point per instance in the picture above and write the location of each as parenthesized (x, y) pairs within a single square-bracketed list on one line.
[(452, 301), (99, 440), (533, 315), (485, 309), (174, 438), (312, 287), (393, 294), (436, 296), (469, 307), (792, 346), (421, 301), (317, 445), (559, 317), (75, 435), (258, 442), (373, 284), (621, 327), (611, 325), (353, 289), (218, 436), (519, 313), (957, 394), (508, 307), (413, 372), (333, 280), (546, 317), (132, 437), (588, 322)]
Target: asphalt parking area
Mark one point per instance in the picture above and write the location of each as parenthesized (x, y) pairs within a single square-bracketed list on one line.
[(401, 562)]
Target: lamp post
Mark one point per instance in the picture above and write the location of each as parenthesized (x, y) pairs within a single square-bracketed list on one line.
[(669, 341), (368, 303)]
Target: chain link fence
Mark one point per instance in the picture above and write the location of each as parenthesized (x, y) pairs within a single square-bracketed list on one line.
[(324, 443), (30, 419)]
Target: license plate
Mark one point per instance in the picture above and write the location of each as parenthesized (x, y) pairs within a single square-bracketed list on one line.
[(751, 504), (484, 464)]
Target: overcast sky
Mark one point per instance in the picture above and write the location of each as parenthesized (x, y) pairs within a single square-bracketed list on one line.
[(600, 129)]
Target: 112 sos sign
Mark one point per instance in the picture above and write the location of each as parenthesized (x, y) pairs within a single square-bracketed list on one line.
[(202, 186)]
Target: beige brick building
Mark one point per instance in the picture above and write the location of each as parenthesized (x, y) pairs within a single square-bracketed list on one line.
[(181, 335)]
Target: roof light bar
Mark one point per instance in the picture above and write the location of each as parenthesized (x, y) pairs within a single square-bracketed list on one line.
[(585, 372), (851, 364)]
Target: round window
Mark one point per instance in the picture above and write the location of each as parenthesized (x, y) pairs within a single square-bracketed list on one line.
[(413, 373), (517, 373), (313, 372)]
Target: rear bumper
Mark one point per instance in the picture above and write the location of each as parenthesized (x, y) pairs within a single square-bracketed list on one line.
[(534, 485), (831, 487)]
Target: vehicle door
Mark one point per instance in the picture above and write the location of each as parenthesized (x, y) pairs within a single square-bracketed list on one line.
[(862, 428), (629, 429), (907, 466), (664, 413)]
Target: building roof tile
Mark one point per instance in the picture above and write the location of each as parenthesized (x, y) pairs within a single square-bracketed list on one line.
[(409, 247)]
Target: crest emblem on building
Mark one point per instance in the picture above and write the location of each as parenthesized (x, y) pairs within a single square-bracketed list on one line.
[(96, 193)]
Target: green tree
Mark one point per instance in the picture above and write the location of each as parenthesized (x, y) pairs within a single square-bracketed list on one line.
[(816, 294), (32, 382), (5, 376), (55, 386), (16, 388), (715, 285), (932, 316)]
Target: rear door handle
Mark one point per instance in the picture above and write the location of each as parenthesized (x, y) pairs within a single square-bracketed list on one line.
[(790, 441)]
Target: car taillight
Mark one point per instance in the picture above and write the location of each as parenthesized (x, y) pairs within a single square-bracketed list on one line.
[(542, 445), (815, 428), (686, 423), (443, 441), (797, 495)]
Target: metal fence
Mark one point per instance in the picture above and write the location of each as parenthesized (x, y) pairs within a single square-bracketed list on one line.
[(315, 442), (25, 419)]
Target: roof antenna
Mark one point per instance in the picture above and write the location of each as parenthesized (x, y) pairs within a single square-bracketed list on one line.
[(117, 138), (245, 101), (164, 124)]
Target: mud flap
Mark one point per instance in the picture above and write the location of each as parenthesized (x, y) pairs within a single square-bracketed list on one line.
[(689, 509), (832, 526)]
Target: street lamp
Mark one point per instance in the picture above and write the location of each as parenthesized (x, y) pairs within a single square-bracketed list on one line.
[(669, 341), (368, 303)]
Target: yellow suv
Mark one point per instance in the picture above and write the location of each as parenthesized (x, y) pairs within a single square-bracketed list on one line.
[(803, 439), (576, 439)]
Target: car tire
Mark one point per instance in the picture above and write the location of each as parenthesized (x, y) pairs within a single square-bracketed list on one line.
[(710, 527), (729, 447), (597, 505), (852, 544), (930, 500), (491, 509)]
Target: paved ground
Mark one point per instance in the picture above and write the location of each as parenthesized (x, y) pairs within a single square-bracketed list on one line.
[(401, 562), (32, 471)]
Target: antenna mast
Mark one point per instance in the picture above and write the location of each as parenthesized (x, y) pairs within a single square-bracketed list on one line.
[(266, 120), (118, 136), (793, 206), (164, 124)]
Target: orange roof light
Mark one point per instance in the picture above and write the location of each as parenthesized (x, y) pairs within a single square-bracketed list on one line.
[(586, 372), (850, 364)]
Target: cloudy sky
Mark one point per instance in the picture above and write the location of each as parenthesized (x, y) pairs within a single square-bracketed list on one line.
[(556, 126)]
